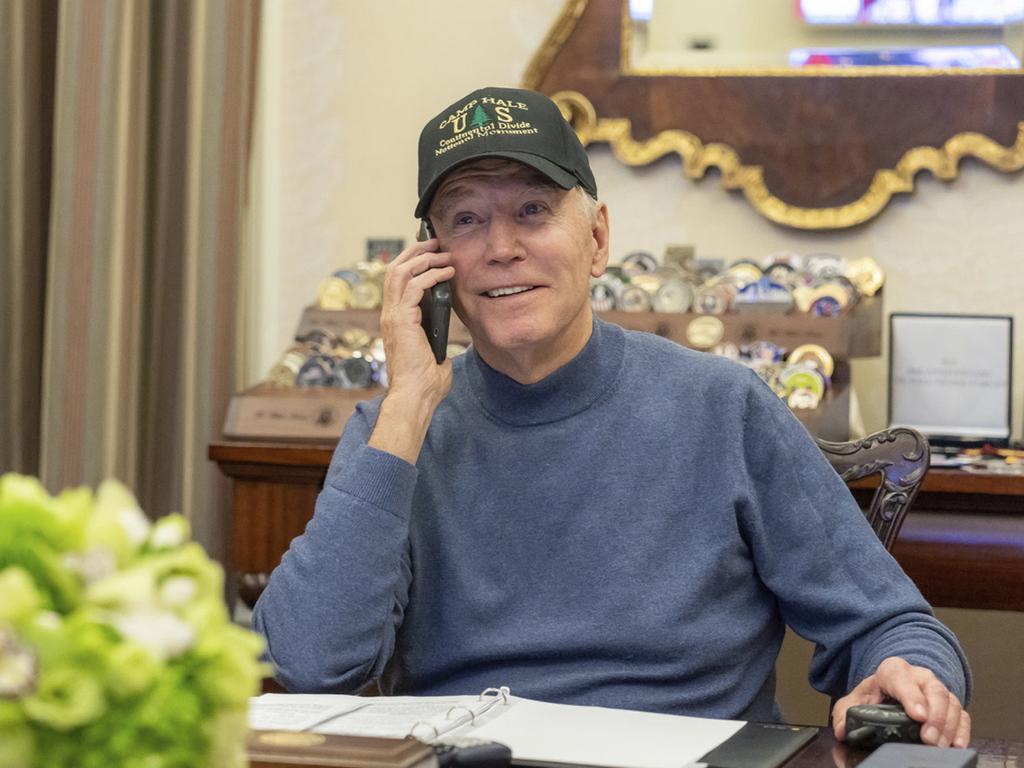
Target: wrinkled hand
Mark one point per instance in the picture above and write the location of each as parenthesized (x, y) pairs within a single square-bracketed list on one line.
[(411, 366), (416, 383), (923, 697)]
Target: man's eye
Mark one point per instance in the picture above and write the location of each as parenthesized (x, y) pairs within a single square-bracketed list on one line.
[(463, 219), (532, 209)]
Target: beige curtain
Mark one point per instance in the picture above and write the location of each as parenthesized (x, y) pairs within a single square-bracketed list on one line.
[(27, 45), (122, 266)]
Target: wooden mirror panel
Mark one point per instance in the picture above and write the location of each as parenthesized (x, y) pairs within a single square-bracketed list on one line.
[(816, 148)]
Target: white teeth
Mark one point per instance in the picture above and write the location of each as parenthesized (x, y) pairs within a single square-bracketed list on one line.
[(508, 291)]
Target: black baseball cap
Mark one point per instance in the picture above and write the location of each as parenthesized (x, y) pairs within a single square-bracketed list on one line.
[(520, 125)]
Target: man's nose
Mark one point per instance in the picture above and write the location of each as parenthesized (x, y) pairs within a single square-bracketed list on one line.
[(503, 243)]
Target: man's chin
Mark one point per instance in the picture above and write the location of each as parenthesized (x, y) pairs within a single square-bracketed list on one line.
[(508, 337)]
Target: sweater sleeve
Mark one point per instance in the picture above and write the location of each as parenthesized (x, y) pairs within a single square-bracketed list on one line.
[(332, 607), (835, 583)]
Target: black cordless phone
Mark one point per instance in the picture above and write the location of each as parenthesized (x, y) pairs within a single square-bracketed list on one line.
[(435, 307)]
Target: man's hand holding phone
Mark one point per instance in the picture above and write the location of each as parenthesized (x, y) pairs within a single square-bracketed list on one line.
[(416, 382)]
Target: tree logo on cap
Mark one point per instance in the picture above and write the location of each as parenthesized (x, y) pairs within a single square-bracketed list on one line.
[(479, 117), (472, 120)]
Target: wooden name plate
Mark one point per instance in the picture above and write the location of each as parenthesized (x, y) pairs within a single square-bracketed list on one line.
[(283, 749), (269, 413)]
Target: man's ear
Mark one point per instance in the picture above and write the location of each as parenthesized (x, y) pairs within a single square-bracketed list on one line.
[(600, 233)]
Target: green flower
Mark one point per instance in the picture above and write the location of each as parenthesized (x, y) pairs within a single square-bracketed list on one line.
[(169, 532), (17, 742), (229, 656), (32, 535), (18, 666), (65, 698), (21, 598), (227, 739), (117, 523), (15, 488), (132, 669), (116, 648)]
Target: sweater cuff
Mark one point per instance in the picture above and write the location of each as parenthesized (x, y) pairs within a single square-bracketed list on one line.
[(376, 477)]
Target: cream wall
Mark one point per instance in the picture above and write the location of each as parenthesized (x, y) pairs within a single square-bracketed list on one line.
[(345, 88)]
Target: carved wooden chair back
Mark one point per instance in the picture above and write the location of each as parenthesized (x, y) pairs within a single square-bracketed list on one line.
[(900, 456)]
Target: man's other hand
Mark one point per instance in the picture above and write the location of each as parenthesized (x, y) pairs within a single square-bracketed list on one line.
[(921, 694)]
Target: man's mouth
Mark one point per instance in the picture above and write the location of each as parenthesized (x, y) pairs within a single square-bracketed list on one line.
[(511, 290)]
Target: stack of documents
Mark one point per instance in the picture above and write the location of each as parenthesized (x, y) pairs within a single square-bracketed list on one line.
[(537, 732)]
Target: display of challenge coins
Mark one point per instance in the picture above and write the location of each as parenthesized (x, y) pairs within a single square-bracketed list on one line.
[(801, 378), (320, 358), (361, 288), (822, 285)]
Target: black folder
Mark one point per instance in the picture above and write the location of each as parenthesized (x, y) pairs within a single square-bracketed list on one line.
[(759, 745)]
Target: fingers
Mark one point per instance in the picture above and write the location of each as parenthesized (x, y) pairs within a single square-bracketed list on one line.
[(417, 248), (922, 696), (963, 731), (943, 719), (418, 267), (411, 363), (866, 692), (901, 681)]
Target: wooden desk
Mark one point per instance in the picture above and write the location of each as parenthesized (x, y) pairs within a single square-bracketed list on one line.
[(825, 752), (962, 543)]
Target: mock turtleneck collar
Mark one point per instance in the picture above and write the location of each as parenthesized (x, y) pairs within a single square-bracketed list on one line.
[(572, 388)]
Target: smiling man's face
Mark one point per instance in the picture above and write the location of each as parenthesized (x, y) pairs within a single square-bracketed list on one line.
[(524, 251)]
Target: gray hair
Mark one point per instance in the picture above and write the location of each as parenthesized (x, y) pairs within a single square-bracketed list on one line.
[(589, 204)]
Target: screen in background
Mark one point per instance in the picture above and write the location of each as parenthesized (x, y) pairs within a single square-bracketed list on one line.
[(950, 376), (940, 57), (641, 10), (930, 13)]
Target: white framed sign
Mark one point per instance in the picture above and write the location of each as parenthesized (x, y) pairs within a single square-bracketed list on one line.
[(950, 376)]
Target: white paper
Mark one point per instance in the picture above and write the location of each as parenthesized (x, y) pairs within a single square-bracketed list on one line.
[(298, 712), (600, 736), (425, 717)]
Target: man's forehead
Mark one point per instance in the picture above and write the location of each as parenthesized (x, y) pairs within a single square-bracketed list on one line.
[(464, 180)]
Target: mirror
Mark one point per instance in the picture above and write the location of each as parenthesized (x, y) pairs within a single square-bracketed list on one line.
[(819, 147), (773, 34)]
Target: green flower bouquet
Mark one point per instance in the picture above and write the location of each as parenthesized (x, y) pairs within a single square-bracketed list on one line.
[(116, 649)]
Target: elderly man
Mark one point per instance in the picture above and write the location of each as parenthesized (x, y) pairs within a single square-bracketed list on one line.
[(585, 514)]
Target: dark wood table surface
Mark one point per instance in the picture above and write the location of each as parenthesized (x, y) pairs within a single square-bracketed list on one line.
[(824, 752)]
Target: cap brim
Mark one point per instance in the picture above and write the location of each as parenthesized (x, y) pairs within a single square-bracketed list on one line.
[(556, 173)]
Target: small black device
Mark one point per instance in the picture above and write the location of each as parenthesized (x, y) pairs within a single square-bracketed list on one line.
[(435, 306), (472, 753), (870, 725)]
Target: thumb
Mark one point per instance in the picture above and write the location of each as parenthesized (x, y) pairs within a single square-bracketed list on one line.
[(868, 691)]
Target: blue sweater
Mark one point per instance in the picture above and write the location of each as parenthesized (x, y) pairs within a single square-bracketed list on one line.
[(632, 531)]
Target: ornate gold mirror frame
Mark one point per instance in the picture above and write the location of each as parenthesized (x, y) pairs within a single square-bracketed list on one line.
[(814, 148)]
